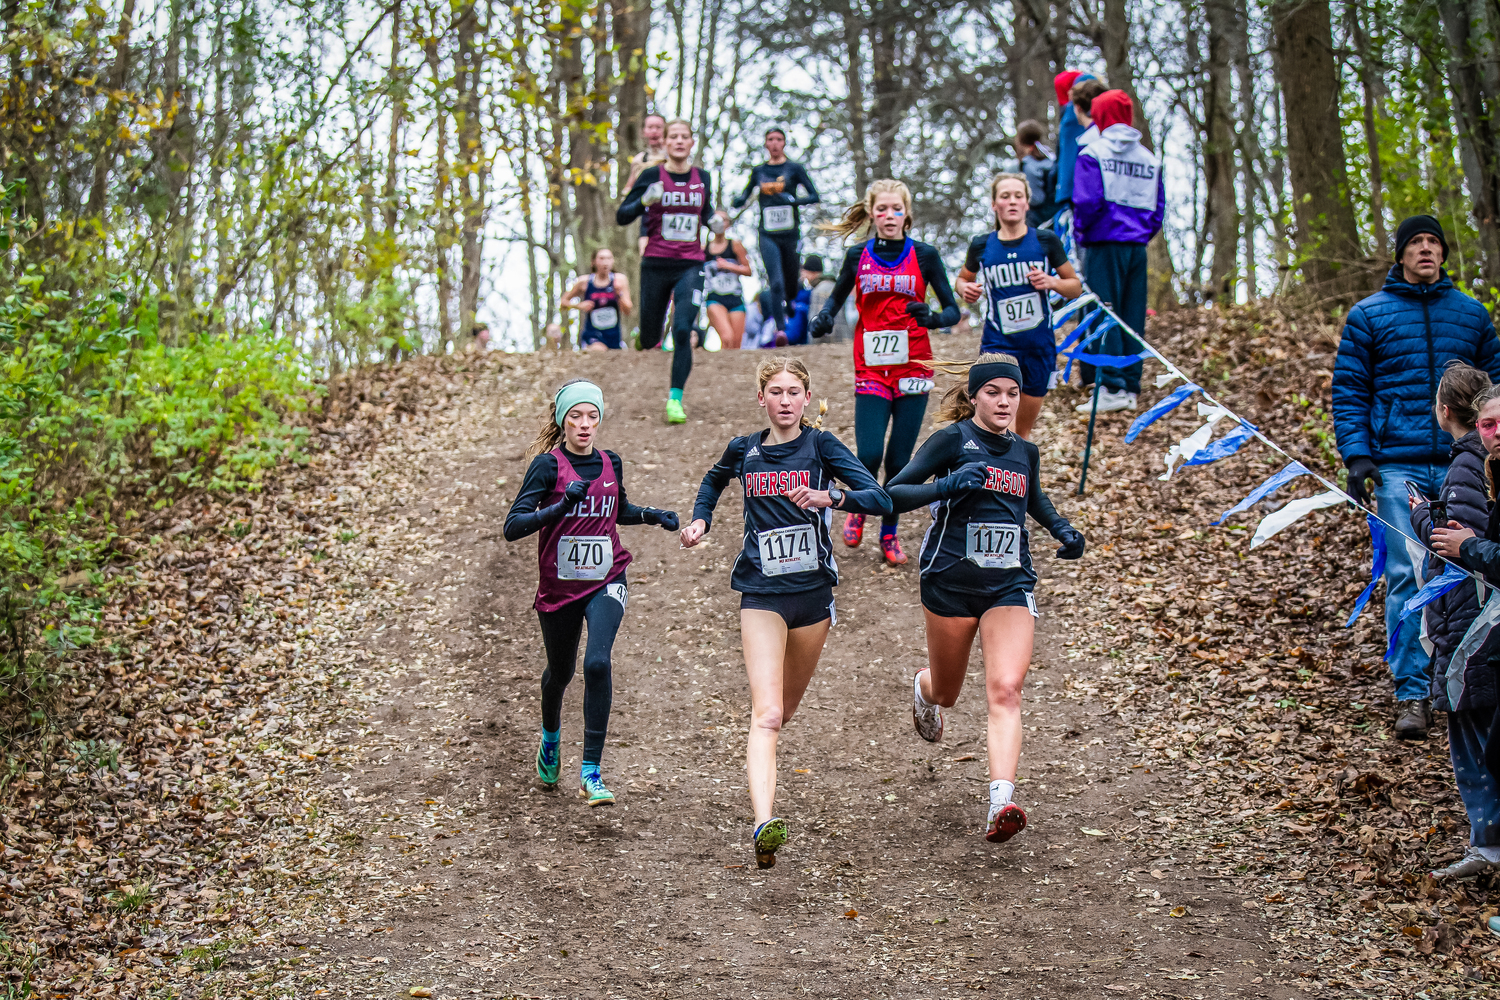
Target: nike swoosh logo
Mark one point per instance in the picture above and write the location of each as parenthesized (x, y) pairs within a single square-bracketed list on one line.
[(608, 483)]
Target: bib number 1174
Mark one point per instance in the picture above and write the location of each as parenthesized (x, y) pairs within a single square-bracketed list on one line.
[(788, 550)]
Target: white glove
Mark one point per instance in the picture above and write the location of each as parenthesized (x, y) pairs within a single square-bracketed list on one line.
[(653, 193), (716, 225)]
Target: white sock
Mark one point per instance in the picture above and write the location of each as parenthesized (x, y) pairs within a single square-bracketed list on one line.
[(1001, 792), (918, 685)]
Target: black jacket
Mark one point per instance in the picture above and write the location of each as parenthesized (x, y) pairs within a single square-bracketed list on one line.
[(1450, 616), (1482, 555)]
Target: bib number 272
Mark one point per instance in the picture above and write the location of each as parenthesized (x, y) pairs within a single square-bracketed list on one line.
[(884, 348)]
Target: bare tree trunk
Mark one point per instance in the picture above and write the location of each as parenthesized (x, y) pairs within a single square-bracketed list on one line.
[(1373, 89), (116, 83), (474, 162), (676, 8), (706, 85), (398, 110), (1327, 239), (442, 224), (854, 43), (1029, 62), (631, 24), (1251, 156), (1472, 27), (886, 35), (1223, 217)]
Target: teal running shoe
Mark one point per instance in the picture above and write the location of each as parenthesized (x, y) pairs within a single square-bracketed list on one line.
[(591, 787), (548, 763), (769, 837)]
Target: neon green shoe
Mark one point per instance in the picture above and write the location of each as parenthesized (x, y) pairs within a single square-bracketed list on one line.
[(675, 412), (591, 787), (769, 838), (548, 763)]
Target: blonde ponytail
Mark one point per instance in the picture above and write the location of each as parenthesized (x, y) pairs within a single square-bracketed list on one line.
[(857, 216)]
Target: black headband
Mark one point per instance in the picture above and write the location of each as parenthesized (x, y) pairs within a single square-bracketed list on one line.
[(980, 374)]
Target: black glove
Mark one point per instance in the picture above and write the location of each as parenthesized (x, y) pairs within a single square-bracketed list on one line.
[(577, 490), (1072, 542), (820, 326), (971, 477), (666, 518), (1360, 469), (920, 312)]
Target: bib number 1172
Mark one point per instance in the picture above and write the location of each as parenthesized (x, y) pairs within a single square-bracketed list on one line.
[(993, 545)]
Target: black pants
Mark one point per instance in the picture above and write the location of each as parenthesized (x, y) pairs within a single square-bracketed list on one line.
[(778, 255), (871, 416), (561, 630), (1116, 272), (680, 284)]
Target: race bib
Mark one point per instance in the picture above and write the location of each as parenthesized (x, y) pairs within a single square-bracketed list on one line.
[(724, 283), (604, 318), (584, 557), (1020, 313), (679, 227), (884, 348), (914, 386), (992, 545), (776, 218), (788, 550)]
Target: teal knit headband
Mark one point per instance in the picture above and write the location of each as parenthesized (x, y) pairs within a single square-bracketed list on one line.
[(574, 393)]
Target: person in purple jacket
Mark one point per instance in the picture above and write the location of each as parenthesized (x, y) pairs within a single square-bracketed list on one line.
[(1118, 203)]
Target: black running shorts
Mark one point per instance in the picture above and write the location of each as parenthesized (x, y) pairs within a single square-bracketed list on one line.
[(947, 603), (799, 609)]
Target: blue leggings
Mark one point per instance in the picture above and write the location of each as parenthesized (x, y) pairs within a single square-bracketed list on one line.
[(778, 254)]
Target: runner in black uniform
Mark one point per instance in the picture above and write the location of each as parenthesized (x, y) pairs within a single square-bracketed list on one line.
[(573, 505), (778, 180), (785, 572), (675, 199), (976, 564), (727, 263)]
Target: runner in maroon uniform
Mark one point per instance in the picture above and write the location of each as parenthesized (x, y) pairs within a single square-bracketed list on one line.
[(573, 498), (677, 203), (890, 275)]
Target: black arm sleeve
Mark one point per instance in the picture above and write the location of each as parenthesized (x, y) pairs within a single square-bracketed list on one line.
[(845, 284), (972, 259), (726, 469), (799, 176), (629, 512), (1482, 556), (1038, 504), (524, 518), (939, 455), (708, 199), (865, 495), (1052, 244), (631, 208), (936, 276)]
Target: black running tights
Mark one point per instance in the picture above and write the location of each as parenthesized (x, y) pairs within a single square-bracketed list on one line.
[(872, 414), (561, 630), (678, 283)]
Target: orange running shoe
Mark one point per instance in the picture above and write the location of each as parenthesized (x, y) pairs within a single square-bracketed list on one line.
[(890, 547), (1005, 823), (854, 530)]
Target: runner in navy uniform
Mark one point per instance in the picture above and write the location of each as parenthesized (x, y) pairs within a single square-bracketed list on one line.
[(573, 501), (976, 564), (1018, 266), (727, 263), (601, 296), (676, 200), (785, 572), (779, 220)]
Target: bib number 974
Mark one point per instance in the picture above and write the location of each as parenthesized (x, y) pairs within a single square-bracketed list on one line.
[(1020, 313), (992, 545), (584, 557), (788, 550)]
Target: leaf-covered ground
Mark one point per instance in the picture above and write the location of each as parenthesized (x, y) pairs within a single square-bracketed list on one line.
[(300, 765)]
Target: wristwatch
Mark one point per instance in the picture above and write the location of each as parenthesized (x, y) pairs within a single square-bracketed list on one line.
[(836, 496)]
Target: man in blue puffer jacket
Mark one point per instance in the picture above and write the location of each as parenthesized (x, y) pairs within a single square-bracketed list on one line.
[(1394, 347)]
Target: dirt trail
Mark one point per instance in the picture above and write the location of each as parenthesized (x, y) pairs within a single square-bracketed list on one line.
[(472, 881)]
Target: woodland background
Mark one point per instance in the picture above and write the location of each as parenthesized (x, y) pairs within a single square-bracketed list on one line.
[(209, 210)]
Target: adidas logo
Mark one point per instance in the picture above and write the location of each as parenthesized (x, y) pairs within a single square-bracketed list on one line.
[(970, 446), (754, 451)]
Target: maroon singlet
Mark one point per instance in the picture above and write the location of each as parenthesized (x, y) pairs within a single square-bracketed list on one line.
[(672, 225), (569, 550)]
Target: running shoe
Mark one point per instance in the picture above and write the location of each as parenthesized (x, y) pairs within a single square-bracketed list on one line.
[(1005, 823), (675, 412), (890, 547), (769, 837), (591, 787), (548, 763), (1472, 863), (928, 718), (854, 530)]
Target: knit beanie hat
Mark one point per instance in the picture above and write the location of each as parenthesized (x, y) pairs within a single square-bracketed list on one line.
[(1063, 82), (1113, 107), (1416, 225)]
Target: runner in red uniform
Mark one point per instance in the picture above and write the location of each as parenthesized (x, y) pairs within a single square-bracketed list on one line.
[(890, 275)]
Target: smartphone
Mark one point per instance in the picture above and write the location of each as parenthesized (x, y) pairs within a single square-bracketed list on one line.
[(1415, 493), (1438, 509)]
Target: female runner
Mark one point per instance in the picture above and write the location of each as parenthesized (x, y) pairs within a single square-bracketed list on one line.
[(778, 180), (785, 572), (976, 566), (600, 296), (1018, 266), (572, 501), (890, 276), (727, 263), (675, 198)]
